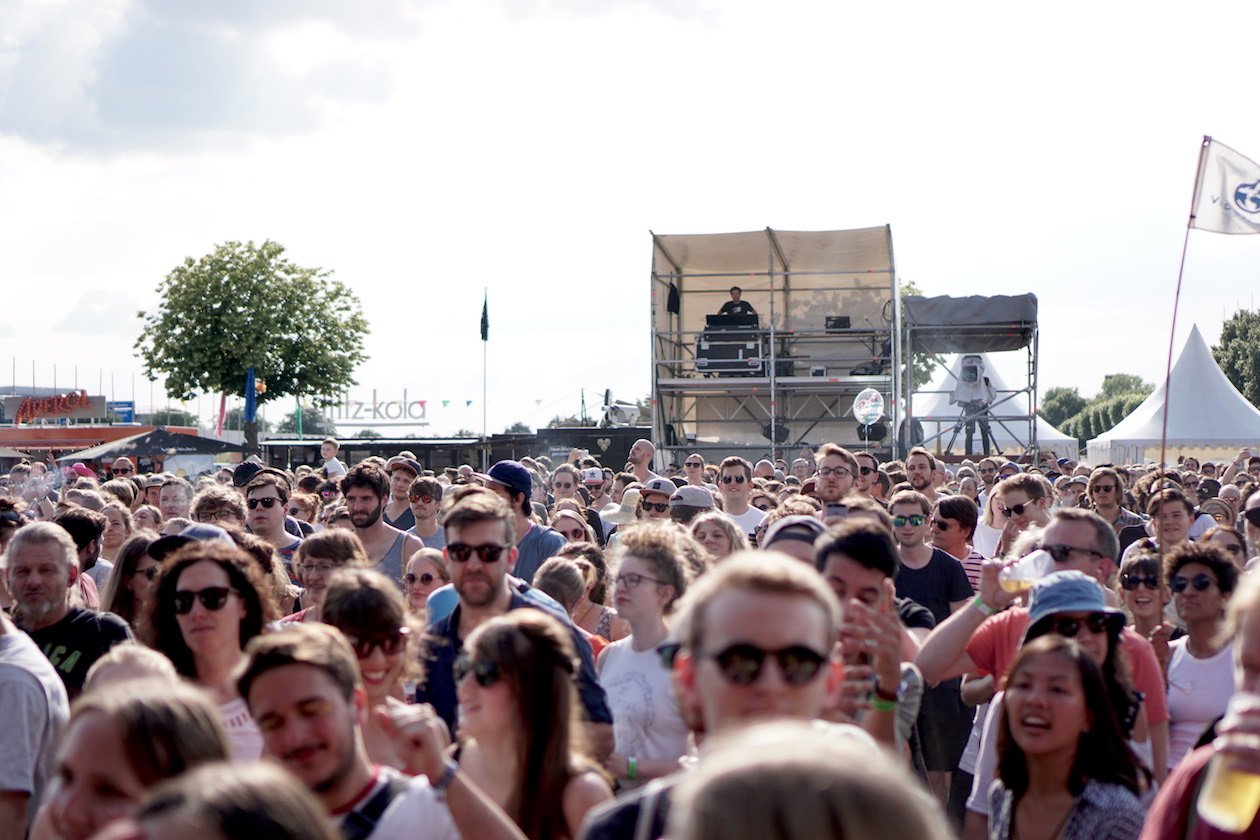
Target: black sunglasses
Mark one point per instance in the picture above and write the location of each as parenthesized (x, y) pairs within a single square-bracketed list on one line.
[(1067, 626), (426, 578), (123, 470), (659, 507), (696, 464), (212, 598), (150, 572), (1018, 510), (741, 664), (488, 553), (1061, 553), (485, 673), (732, 479), (268, 503), (1201, 583), (1132, 582), (389, 643), (1103, 488), (868, 470)]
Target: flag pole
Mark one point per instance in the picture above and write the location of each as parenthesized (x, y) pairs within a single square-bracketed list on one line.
[(1172, 332), (485, 343)]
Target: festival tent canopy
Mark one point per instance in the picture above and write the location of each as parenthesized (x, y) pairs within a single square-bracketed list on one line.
[(158, 442), (1008, 422), (1205, 412)]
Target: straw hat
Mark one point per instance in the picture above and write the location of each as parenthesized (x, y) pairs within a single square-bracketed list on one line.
[(627, 511)]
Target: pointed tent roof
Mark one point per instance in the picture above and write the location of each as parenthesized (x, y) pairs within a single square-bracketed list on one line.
[(1010, 434), (1205, 410)]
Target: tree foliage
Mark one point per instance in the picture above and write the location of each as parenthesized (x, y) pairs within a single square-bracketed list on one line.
[(234, 418), (1058, 404), (368, 434), (314, 423), (1238, 354), (1119, 384), (246, 305), (517, 428), (172, 417), (923, 365)]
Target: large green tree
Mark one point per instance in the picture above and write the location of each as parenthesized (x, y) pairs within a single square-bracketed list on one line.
[(1058, 404), (1238, 354), (247, 305)]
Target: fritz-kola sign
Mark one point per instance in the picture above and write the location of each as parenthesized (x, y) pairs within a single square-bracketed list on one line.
[(376, 411)]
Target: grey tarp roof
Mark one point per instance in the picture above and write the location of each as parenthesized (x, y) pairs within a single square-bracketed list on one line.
[(975, 324), (156, 442)]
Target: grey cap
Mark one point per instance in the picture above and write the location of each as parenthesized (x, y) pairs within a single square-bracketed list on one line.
[(693, 496)]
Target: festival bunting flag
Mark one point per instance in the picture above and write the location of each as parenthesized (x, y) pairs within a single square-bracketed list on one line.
[(1227, 191)]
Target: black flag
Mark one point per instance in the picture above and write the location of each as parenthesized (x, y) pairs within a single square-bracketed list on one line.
[(485, 319)]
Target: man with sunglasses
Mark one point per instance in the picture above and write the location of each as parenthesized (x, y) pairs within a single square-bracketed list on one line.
[(425, 497), (303, 688), (654, 498), (1106, 492), (267, 500), (41, 568), (1024, 500), (1251, 518), (480, 550), (735, 485), (868, 473), (985, 636), (758, 643)]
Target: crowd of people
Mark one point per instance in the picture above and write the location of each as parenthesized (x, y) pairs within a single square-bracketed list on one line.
[(835, 646)]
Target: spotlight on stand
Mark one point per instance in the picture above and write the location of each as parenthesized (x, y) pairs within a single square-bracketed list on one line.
[(780, 431)]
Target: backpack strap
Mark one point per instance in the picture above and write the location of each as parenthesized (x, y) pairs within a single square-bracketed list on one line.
[(361, 822)]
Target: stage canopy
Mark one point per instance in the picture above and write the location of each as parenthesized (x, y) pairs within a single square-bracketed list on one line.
[(159, 443)]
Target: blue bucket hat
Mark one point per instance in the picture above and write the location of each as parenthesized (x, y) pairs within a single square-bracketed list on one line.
[(1069, 591)]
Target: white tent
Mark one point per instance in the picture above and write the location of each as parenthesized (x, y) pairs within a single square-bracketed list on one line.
[(1207, 417), (1008, 422)]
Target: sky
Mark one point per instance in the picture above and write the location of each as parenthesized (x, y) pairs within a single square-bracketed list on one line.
[(428, 153)]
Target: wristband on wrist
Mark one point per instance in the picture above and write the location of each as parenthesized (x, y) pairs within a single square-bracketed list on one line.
[(883, 694), (632, 768), (448, 776), (881, 705), (980, 605)]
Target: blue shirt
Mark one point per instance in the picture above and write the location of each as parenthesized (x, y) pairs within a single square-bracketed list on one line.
[(539, 543), (444, 646)]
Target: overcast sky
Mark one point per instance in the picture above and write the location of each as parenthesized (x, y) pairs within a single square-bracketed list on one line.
[(424, 150)]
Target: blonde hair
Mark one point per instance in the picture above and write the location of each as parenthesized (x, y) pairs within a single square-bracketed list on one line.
[(791, 780)]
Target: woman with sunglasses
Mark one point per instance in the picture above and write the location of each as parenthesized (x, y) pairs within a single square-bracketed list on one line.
[(650, 735), (1200, 671), (571, 525), (208, 605), (719, 535), (132, 584), (1144, 594), (521, 738), (1064, 769), (426, 571), (1231, 539), (369, 610), (318, 558)]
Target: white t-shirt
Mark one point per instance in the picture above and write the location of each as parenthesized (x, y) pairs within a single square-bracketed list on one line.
[(1198, 693), (243, 735), (646, 722), (34, 701), (748, 520), (414, 813), (334, 468)]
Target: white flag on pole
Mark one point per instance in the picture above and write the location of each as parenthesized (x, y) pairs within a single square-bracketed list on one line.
[(1227, 191)]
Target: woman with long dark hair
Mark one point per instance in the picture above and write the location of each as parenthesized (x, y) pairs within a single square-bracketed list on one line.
[(1064, 769), (208, 605), (132, 584), (521, 737)]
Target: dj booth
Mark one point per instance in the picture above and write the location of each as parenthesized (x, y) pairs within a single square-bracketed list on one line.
[(731, 345)]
